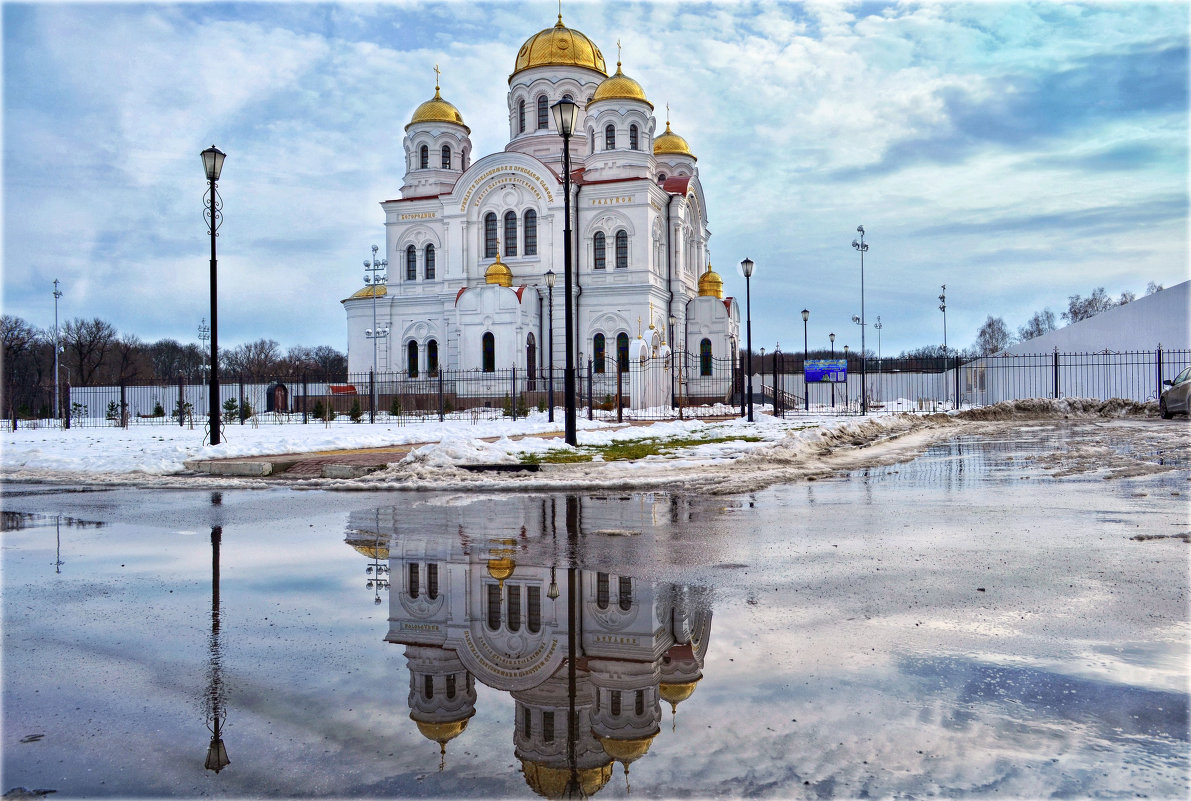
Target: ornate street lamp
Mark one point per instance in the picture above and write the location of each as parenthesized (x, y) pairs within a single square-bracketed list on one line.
[(376, 276), (746, 267), (213, 165), (863, 248), (566, 112), (550, 279), (806, 388)]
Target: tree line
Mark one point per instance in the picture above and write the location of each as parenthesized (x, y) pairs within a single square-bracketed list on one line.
[(93, 353)]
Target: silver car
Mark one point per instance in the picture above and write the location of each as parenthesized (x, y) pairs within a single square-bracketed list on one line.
[(1176, 398)]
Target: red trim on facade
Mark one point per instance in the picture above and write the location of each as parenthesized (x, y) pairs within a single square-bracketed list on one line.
[(677, 185), (520, 291), (459, 294), (411, 199)]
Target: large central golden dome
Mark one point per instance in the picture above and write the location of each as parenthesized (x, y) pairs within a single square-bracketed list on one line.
[(559, 46)]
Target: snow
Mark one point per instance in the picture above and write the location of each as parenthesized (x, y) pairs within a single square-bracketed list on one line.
[(788, 449)]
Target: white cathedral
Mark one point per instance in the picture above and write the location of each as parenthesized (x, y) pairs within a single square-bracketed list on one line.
[(469, 243)]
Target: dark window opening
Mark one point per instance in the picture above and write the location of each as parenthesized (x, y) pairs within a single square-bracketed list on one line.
[(599, 245), (413, 581), (488, 343)]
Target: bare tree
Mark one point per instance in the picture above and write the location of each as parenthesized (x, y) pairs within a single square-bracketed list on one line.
[(1080, 308), (256, 361), (18, 340), (1153, 287), (1127, 297), (1043, 322), (993, 336), (87, 342), (129, 358)]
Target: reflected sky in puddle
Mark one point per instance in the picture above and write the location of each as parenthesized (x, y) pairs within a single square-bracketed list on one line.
[(846, 638)]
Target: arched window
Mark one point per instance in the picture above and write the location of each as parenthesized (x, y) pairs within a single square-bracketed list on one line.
[(543, 114), (526, 725), (488, 346), (514, 593), (413, 580), (548, 726), (590, 141), (411, 359), (510, 233), (411, 264), (661, 177), (520, 116), (493, 607), (599, 351), (705, 357), (451, 686), (625, 593), (638, 704), (600, 254), (424, 157), (432, 358), (622, 250), (568, 97), (602, 590), (531, 233), (622, 352), (533, 609), (490, 235), (428, 686), (614, 706), (531, 359), (432, 588), (446, 157), (429, 270), (610, 137), (634, 139)]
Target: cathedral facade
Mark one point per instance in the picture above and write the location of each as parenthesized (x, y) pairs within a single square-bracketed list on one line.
[(470, 241)]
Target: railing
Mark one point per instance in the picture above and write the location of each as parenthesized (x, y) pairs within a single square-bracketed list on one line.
[(681, 386)]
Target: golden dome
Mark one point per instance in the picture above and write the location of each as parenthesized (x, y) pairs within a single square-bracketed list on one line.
[(671, 143), (437, 110), (559, 46), (376, 290), (619, 87), (551, 782), (678, 692), (627, 751), (710, 284), (442, 733), (373, 551), (498, 273), (501, 568)]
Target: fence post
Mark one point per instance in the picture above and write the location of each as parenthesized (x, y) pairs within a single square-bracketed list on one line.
[(305, 395), (123, 407), (513, 397), (66, 406), (742, 385), (619, 413), (240, 413), (442, 405), (590, 408), (777, 409), (181, 401), (956, 407), (371, 396), (1159, 369), (1056, 371)]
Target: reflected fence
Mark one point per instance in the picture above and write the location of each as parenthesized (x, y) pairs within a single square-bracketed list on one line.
[(656, 388)]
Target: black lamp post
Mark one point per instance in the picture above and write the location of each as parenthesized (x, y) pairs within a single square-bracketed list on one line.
[(863, 248), (566, 113), (831, 337), (746, 267), (213, 164), (806, 387), (550, 279)]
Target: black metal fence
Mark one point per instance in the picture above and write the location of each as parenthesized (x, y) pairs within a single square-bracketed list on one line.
[(681, 385)]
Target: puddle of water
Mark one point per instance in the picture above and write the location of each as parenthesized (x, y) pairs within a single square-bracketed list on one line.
[(913, 630)]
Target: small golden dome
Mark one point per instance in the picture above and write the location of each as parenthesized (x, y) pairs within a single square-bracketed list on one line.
[(559, 46), (498, 273), (710, 284), (678, 692), (671, 143), (376, 290), (619, 87), (627, 751), (501, 568), (551, 782), (380, 552), (443, 733), (437, 110)]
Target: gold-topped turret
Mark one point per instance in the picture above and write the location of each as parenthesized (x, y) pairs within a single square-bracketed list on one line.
[(619, 87), (559, 46), (436, 109), (670, 143), (498, 272), (710, 284)]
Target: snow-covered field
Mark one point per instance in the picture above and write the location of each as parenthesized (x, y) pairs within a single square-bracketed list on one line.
[(786, 449)]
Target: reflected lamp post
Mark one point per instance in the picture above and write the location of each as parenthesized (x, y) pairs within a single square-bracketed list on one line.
[(377, 277), (217, 758), (566, 112), (806, 388), (831, 337), (213, 165), (550, 279), (862, 248), (943, 308), (746, 267)]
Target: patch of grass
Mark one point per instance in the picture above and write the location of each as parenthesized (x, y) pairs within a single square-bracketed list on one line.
[(555, 457), (629, 450)]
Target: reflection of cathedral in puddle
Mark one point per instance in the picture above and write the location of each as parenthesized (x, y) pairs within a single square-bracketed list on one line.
[(472, 606)]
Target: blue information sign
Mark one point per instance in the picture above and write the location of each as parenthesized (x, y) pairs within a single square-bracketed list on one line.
[(826, 370)]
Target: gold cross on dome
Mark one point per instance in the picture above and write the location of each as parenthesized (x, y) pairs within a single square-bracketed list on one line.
[(437, 73), (618, 52)]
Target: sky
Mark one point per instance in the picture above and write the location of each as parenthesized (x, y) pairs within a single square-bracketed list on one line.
[(1018, 153)]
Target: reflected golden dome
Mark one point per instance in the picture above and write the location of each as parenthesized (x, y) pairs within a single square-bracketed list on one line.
[(559, 46), (671, 143), (710, 284), (376, 290), (437, 110), (551, 782), (627, 751), (498, 273), (501, 568), (619, 87), (380, 552), (443, 733), (678, 692)]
